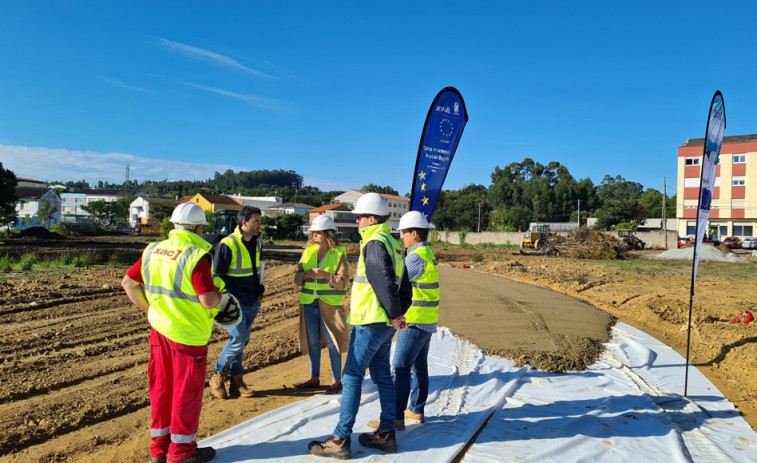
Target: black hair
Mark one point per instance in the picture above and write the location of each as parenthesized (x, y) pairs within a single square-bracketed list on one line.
[(422, 233), (246, 212)]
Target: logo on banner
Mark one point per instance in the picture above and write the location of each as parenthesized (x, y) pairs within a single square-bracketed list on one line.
[(443, 109), (446, 127)]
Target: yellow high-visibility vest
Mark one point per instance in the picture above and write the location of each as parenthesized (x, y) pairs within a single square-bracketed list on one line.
[(425, 305), (365, 307), (320, 286), (175, 309), (241, 262)]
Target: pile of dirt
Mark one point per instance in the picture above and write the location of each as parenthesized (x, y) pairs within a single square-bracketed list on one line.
[(705, 253), (586, 244), (39, 233)]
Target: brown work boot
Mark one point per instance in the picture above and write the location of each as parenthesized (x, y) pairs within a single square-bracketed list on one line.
[(379, 440), (399, 425), (333, 447), (414, 417), (237, 388), (200, 455), (217, 386)]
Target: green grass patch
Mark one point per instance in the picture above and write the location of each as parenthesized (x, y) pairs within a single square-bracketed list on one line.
[(681, 268), (27, 262), (6, 264)]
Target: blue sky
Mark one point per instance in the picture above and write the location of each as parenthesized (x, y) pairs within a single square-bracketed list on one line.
[(338, 91)]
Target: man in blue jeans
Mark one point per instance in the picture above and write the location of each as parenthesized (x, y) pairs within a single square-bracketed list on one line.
[(411, 349), (237, 264), (380, 295)]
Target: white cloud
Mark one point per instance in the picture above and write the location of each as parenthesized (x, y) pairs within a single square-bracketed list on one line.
[(118, 83), (206, 55), (49, 164), (253, 100)]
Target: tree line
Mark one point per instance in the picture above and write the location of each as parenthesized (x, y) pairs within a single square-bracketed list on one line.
[(519, 193), (528, 191)]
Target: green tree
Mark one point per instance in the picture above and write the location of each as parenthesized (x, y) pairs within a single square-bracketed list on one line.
[(459, 210), (159, 210), (46, 212), (387, 190), (102, 213), (8, 197)]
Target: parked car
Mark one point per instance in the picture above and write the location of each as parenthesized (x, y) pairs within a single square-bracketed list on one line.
[(749, 243), (683, 241), (732, 242)]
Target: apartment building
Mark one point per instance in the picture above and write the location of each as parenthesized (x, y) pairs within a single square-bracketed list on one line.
[(734, 199)]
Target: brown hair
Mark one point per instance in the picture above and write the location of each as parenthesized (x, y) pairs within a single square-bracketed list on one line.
[(331, 239)]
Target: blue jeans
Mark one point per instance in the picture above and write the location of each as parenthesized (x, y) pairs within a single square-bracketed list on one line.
[(411, 355), (314, 326), (232, 354), (369, 348)]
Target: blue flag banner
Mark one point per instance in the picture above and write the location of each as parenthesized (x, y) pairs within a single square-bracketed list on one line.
[(441, 134), (712, 142)]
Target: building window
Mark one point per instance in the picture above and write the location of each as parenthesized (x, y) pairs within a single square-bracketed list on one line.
[(691, 161), (742, 230), (691, 182), (739, 181), (739, 158), (691, 228)]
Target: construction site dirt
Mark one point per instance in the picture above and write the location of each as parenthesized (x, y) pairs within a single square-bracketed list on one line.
[(74, 350)]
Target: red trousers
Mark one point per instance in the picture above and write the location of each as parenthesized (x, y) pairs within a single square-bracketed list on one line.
[(177, 381)]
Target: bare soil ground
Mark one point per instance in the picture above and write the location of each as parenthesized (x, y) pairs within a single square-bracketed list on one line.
[(73, 350)]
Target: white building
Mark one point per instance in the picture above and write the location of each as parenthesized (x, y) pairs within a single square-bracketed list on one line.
[(140, 209), (261, 202), (29, 203), (398, 205), (287, 209)]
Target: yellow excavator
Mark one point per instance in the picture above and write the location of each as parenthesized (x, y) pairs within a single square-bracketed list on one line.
[(536, 237), (629, 240)]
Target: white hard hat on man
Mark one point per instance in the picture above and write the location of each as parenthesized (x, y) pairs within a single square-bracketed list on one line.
[(322, 222), (412, 219), (371, 204), (188, 214)]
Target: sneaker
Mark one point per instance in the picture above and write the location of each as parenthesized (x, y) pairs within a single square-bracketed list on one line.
[(399, 425), (201, 455), (379, 440), (333, 447), (413, 417)]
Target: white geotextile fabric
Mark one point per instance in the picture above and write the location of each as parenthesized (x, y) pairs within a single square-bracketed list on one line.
[(626, 407)]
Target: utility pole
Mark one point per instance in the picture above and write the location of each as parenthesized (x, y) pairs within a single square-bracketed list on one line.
[(579, 213), (664, 210), (479, 217)]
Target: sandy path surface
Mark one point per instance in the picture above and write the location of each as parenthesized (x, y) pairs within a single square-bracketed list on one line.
[(73, 350), (526, 323)]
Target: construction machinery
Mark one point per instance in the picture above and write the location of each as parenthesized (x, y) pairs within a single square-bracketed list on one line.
[(536, 237), (629, 240), (224, 223), (148, 227)]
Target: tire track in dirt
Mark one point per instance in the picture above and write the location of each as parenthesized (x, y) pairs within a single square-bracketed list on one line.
[(81, 360)]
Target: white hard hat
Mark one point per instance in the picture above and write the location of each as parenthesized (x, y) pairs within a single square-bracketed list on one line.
[(371, 204), (323, 222), (188, 214), (229, 313), (412, 219)]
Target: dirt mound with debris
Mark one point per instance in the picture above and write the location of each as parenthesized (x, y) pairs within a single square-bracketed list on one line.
[(39, 233), (586, 244)]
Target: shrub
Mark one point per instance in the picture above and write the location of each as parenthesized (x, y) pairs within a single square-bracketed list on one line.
[(27, 262), (6, 264), (89, 258), (477, 258), (60, 229), (66, 258)]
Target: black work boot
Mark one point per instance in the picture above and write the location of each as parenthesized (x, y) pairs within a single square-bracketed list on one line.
[(379, 440), (333, 447)]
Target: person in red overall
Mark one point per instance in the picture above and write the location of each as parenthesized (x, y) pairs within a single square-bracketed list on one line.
[(172, 282)]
